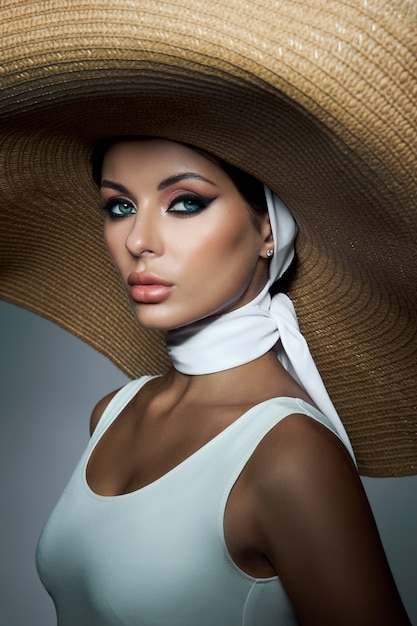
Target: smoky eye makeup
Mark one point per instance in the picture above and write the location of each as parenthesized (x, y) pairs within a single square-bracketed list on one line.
[(118, 207), (189, 203)]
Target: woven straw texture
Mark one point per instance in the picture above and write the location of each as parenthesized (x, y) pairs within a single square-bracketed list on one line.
[(317, 98)]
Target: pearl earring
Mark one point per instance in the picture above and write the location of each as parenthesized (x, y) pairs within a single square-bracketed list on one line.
[(269, 253)]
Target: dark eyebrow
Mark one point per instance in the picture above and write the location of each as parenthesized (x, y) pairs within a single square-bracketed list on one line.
[(171, 180), (177, 178), (109, 184)]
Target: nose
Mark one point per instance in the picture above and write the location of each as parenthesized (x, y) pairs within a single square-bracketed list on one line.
[(143, 234)]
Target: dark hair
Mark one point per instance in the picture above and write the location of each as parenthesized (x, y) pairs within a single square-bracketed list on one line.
[(251, 189)]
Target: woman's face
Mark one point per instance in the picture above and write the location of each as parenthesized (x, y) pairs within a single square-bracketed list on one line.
[(180, 233)]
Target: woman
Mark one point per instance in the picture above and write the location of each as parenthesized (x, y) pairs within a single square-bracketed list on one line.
[(205, 497), (285, 105)]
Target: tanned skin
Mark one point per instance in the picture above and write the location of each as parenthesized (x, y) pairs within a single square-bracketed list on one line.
[(298, 510)]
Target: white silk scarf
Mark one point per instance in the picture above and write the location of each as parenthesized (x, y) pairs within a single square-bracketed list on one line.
[(224, 341)]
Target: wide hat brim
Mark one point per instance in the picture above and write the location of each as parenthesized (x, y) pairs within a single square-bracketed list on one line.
[(315, 98)]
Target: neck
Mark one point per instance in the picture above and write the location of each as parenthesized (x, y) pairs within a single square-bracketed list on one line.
[(239, 338), (245, 384), (225, 341)]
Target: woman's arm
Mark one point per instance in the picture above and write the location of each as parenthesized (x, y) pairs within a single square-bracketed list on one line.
[(318, 530)]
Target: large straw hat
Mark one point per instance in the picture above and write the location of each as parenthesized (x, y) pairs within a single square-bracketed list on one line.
[(317, 98)]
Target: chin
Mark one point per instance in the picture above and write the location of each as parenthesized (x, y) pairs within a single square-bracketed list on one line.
[(157, 323), (163, 319)]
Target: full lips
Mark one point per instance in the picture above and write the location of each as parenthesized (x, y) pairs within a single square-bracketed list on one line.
[(150, 293)]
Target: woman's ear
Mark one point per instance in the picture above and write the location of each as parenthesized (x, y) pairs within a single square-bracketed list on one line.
[(267, 237)]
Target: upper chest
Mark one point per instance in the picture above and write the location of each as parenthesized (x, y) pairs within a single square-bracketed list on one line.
[(144, 443)]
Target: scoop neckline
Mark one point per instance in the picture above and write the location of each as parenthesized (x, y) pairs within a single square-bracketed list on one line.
[(186, 461)]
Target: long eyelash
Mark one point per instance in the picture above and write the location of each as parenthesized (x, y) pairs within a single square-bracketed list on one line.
[(108, 205), (197, 199)]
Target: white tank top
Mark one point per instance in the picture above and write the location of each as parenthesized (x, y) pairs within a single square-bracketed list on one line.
[(157, 556)]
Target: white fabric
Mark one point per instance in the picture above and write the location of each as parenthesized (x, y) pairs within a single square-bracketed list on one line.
[(160, 557), (225, 341)]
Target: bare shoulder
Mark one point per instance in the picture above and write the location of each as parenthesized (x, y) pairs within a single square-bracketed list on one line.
[(99, 409), (302, 467), (318, 530), (298, 449)]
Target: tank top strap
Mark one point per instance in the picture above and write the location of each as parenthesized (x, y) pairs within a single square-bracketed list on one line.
[(247, 432), (242, 438), (116, 405)]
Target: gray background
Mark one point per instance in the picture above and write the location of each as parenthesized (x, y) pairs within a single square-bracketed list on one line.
[(50, 381)]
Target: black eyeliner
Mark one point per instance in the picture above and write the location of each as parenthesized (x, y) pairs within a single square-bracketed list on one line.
[(108, 205), (202, 201)]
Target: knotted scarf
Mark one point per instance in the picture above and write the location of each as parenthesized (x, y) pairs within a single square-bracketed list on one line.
[(224, 341)]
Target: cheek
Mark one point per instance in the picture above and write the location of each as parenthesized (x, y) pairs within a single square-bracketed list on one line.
[(222, 236), (227, 249), (200, 250), (233, 241)]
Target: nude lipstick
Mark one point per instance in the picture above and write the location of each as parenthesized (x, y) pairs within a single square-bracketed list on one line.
[(147, 288)]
